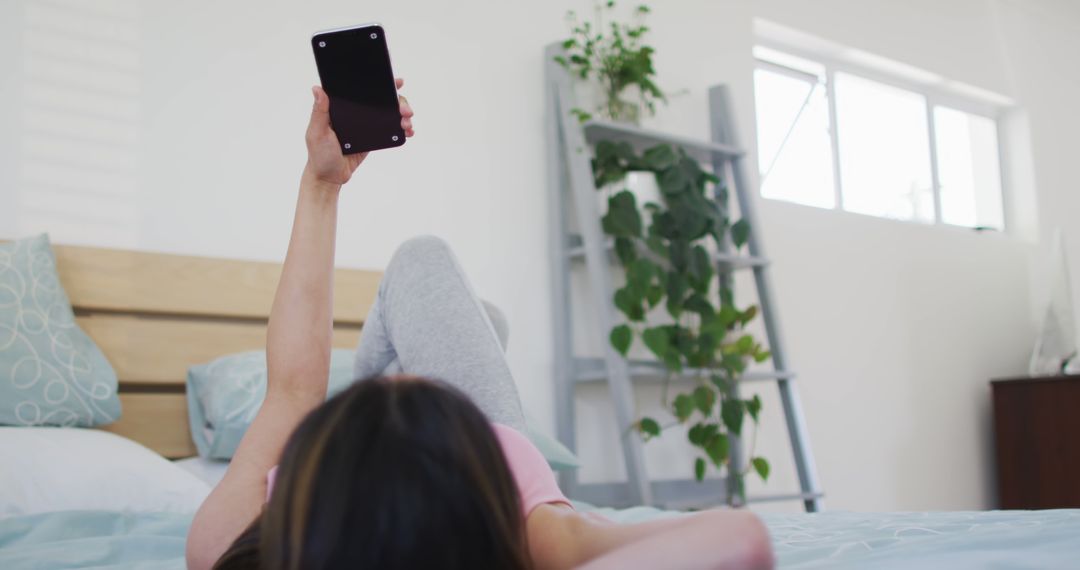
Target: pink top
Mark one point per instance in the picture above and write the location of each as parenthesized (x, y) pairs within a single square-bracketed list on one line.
[(535, 481)]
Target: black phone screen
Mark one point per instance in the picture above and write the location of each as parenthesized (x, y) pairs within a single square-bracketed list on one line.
[(354, 67)]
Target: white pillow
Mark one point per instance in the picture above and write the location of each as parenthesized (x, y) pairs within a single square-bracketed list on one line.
[(45, 469)]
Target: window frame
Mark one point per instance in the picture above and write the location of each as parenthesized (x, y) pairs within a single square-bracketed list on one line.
[(934, 89)]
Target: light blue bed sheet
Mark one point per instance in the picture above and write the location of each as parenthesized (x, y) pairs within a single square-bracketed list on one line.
[(1047, 540), (94, 539), (995, 539)]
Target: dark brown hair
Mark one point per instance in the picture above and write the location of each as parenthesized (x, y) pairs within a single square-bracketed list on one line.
[(391, 474)]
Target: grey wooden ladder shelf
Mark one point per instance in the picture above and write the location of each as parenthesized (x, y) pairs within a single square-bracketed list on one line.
[(571, 185)]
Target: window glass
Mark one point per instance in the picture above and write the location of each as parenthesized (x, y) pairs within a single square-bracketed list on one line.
[(968, 169), (794, 149), (884, 150)]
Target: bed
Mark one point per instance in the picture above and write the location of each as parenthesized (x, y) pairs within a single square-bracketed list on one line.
[(153, 315), (993, 539)]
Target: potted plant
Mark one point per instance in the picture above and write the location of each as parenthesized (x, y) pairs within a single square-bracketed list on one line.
[(668, 258), (612, 59)]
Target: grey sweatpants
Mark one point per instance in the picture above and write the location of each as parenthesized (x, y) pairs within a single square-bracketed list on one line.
[(427, 321)]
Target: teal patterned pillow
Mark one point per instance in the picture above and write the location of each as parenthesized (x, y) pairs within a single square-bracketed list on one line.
[(224, 395), (51, 373)]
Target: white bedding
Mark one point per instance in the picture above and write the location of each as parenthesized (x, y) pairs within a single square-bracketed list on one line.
[(209, 471), (48, 469)]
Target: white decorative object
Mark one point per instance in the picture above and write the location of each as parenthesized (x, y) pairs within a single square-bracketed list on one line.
[(1056, 345)]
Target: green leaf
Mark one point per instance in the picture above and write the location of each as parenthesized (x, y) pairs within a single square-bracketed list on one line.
[(676, 286), (721, 383), (581, 115), (654, 295), (715, 329), (664, 226), (727, 296), (625, 250), (727, 315), (704, 399), (660, 157), (621, 336), (689, 217), (697, 434), (682, 339), (640, 274), (749, 314), (679, 254), (658, 340), (699, 304), (622, 218), (672, 361), (699, 469), (684, 406), (761, 466), (733, 363), (629, 302), (753, 406), (673, 181), (707, 344), (745, 344), (740, 232), (656, 245), (648, 426), (717, 448), (700, 268), (731, 411), (762, 355)]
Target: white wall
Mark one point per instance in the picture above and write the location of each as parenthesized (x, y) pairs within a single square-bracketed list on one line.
[(187, 131)]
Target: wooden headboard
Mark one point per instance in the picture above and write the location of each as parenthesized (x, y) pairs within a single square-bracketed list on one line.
[(153, 315)]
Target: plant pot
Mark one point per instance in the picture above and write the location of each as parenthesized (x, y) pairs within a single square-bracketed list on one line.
[(641, 183), (592, 98)]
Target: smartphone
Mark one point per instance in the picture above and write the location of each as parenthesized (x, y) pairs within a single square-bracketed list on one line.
[(354, 67)]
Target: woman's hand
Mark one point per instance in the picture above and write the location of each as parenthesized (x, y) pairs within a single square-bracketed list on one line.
[(326, 163)]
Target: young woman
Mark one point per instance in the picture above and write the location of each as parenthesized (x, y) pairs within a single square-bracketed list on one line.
[(425, 466)]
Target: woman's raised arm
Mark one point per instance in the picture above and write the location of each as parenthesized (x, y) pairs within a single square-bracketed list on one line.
[(298, 341)]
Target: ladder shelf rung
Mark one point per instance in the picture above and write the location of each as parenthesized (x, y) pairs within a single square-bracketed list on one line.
[(591, 370), (784, 497), (605, 130), (728, 260), (678, 494)]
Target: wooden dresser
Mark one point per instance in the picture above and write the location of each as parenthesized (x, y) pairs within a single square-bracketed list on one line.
[(1037, 432)]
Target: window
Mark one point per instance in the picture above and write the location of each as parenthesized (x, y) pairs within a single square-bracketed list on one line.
[(833, 135)]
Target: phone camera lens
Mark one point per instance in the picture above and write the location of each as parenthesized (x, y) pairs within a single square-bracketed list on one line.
[(347, 146), (322, 44), (374, 35), (394, 138)]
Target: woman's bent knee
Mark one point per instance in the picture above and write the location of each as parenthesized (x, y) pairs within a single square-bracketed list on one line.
[(422, 251)]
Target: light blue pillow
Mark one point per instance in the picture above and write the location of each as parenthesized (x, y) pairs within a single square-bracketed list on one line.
[(224, 396), (51, 373)]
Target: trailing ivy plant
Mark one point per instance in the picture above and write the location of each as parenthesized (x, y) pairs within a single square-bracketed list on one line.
[(614, 56), (667, 262)]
